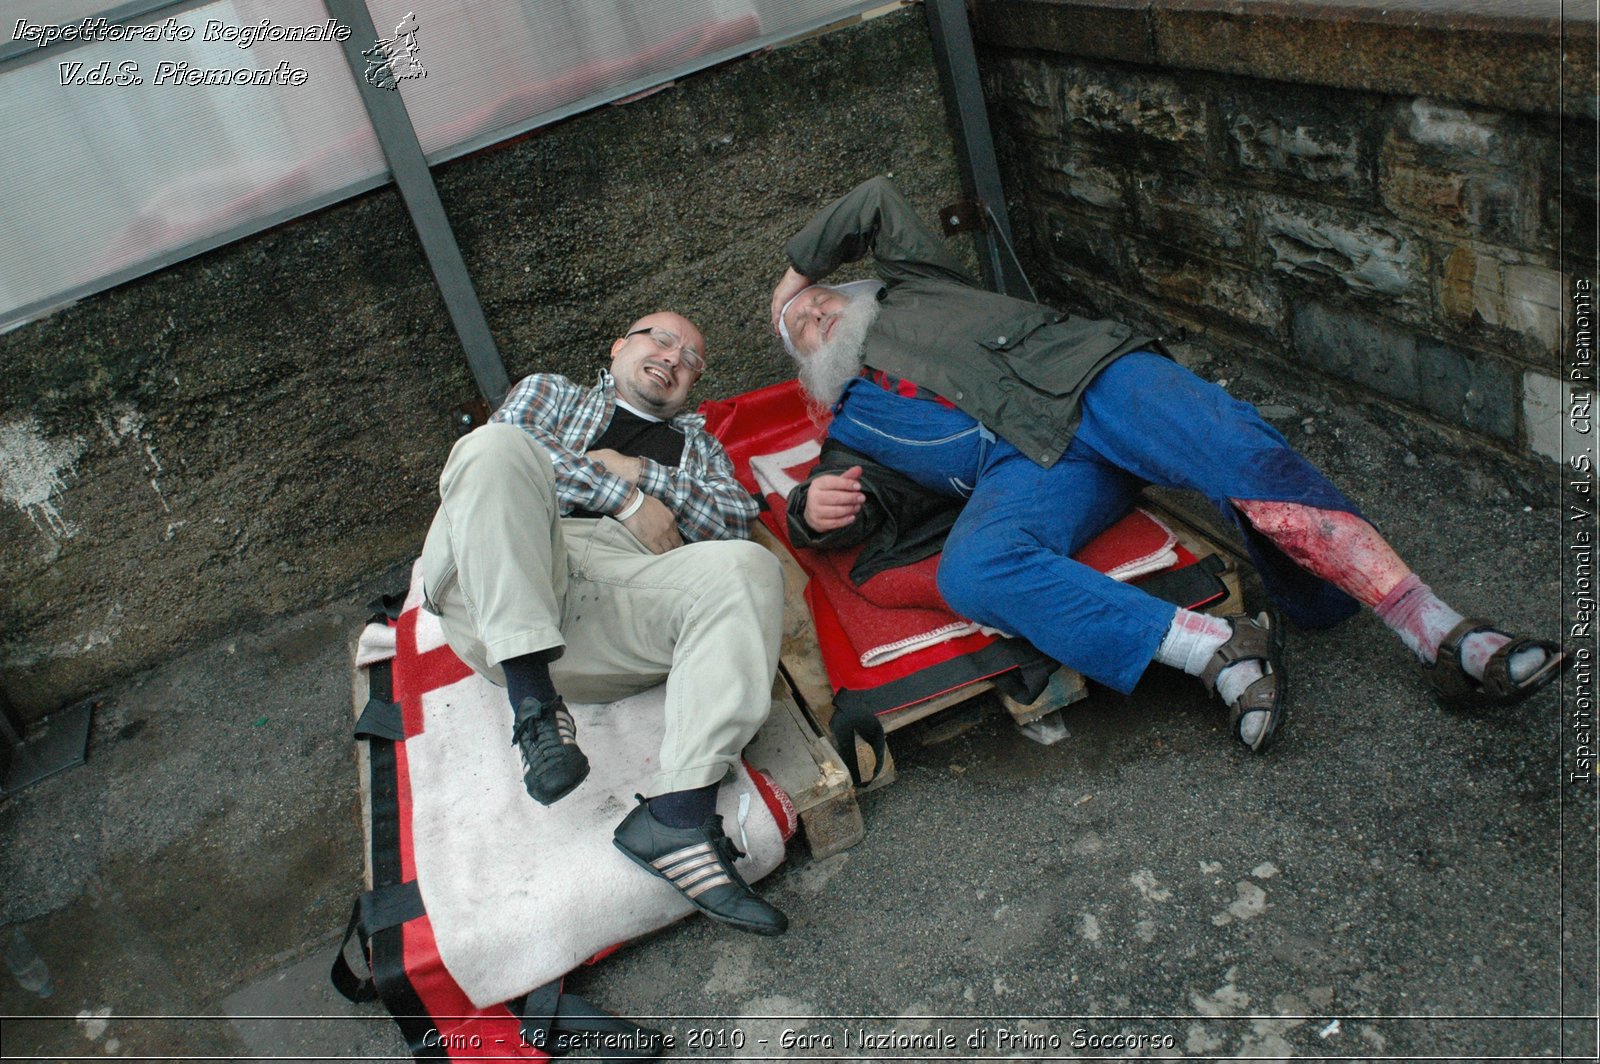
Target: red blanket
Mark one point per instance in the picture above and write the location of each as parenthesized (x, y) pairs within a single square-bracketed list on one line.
[(895, 624)]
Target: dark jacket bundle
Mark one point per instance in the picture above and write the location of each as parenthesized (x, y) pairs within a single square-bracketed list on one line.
[(901, 522)]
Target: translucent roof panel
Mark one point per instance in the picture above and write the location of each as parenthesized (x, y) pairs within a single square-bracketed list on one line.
[(202, 123), (117, 161), (497, 69)]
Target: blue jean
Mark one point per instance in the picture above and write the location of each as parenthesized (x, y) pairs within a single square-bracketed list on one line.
[(1145, 420), (942, 449)]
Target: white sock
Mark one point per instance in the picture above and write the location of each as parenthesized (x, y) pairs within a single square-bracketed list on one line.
[(1192, 640), (1231, 683), (1190, 644), (1422, 620)]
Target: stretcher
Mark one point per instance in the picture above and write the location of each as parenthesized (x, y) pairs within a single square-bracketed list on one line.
[(478, 900)]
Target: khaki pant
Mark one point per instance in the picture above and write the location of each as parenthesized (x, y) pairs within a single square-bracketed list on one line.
[(507, 576)]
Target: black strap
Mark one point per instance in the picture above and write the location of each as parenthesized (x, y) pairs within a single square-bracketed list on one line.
[(374, 911), (1191, 587), (380, 680), (537, 1011), (387, 607), (352, 987), (380, 720), (388, 907), (1028, 680), (560, 1024), (984, 663), (849, 722), (392, 900)]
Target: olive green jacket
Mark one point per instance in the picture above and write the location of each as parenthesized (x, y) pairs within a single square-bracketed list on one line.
[(1017, 367)]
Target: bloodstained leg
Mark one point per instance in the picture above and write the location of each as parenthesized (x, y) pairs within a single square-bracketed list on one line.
[(1339, 547), (1348, 553)]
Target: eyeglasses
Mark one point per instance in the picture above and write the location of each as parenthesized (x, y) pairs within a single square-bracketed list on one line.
[(667, 340)]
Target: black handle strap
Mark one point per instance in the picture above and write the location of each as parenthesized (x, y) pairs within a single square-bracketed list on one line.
[(387, 607), (560, 1023), (380, 720), (374, 911), (352, 987), (1193, 587), (846, 725)]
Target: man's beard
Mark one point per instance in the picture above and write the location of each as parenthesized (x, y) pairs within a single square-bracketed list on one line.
[(824, 373)]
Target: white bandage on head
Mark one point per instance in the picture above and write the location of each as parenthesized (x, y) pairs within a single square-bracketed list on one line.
[(851, 290)]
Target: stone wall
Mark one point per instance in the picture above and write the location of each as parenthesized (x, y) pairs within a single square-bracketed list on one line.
[(257, 429), (1389, 194), (1385, 192)]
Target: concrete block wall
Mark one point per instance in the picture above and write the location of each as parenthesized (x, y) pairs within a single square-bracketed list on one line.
[(1398, 196), (255, 430)]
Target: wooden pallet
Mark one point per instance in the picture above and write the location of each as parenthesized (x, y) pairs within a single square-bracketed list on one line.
[(792, 748), (800, 660)]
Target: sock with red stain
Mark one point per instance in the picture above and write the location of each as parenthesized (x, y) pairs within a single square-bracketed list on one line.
[(1191, 642), (1422, 620)]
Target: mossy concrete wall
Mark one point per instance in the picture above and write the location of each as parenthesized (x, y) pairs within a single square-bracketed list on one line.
[(257, 429)]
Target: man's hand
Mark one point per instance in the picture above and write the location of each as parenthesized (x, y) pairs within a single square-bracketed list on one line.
[(834, 500), (625, 466), (654, 525), (791, 285)]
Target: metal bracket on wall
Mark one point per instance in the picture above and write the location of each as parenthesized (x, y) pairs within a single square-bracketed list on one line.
[(60, 741), (398, 138), (963, 216), (980, 173)]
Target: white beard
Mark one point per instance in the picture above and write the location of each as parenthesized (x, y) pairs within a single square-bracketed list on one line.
[(824, 373)]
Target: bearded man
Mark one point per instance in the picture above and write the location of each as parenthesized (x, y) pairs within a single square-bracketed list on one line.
[(1048, 426), (593, 542)]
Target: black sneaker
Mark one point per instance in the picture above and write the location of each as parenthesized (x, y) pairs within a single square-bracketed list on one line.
[(551, 761), (699, 862)]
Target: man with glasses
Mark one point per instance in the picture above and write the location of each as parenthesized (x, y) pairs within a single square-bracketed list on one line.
[(593, 542)]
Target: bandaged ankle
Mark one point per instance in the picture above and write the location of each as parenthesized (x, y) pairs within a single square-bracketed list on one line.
[(1192, 640), (1417, 616), (1191, 643), (1422, 620)]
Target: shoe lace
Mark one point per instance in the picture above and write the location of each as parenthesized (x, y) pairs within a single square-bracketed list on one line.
[(723, 845), (538, 735)]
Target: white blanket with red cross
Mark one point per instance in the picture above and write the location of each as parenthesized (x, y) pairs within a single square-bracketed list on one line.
[(518, 893)]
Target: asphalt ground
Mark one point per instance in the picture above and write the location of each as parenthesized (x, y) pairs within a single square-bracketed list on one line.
[(1390, 881)]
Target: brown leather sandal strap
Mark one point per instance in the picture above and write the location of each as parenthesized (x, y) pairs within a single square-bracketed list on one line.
[(1450, 645), (1446, 674), (1262, 694), (1497, 681), (1246, 643)]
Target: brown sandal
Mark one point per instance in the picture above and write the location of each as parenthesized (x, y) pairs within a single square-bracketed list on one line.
[(1455, 689), (1259, 639)]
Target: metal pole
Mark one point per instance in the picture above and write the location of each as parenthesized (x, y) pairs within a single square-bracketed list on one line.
[(398, 138), (980, 173)]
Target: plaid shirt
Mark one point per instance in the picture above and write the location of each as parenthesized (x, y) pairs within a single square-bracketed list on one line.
[(567, 418)]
